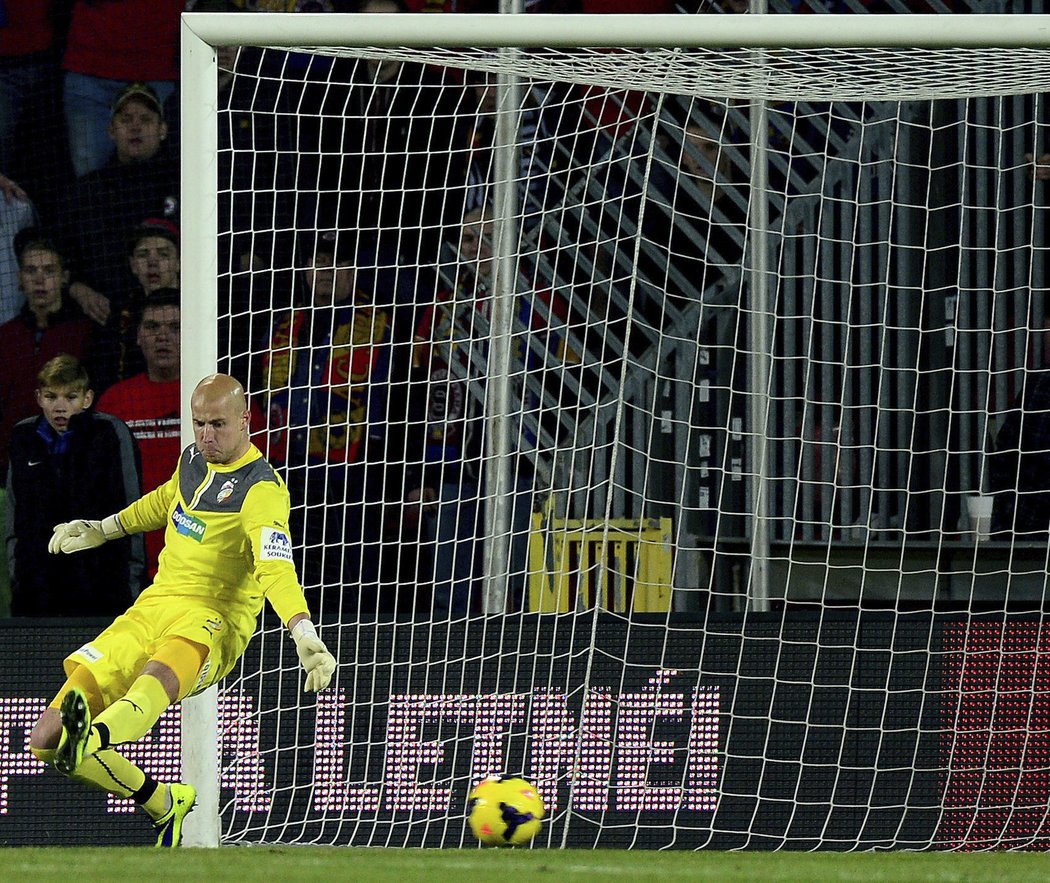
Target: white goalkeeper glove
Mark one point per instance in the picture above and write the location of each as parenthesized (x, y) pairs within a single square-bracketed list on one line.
[(318, 663), (75, 536)]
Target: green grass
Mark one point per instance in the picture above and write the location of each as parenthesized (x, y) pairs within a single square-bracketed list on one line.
[(334, 865)]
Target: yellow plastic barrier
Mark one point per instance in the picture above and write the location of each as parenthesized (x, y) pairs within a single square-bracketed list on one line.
[(623, 564)]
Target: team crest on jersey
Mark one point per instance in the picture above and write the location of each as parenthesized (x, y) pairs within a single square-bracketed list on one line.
[(275, 545), (225, 490), (187, 525)]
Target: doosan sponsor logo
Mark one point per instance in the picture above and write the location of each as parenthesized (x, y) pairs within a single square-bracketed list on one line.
[(187, 525)]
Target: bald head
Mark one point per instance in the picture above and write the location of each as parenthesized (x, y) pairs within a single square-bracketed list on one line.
[(218, 387), (220, 419)]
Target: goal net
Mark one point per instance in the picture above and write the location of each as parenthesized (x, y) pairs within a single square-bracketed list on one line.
[(663, 425)]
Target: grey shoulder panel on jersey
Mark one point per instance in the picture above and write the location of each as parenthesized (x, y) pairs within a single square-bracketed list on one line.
[(227, 490), (192, 471)]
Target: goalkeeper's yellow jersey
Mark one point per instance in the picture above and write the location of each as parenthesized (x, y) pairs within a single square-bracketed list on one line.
[(226, 539)]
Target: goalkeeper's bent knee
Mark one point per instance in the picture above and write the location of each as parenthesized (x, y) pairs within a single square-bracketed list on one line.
[(185, 658)]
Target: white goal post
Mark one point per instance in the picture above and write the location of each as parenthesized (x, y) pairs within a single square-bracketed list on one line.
[(810, 466)]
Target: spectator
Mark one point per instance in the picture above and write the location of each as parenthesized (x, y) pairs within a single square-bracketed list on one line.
[(153, 255), (47, 325), (149, 402), (108, 47), (323, 373), (69, 462), (446, 473), (140, 181), (704, 160), (16, 214), (153, 258)]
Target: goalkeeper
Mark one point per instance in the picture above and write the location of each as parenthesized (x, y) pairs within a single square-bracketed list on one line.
[(226, 547)]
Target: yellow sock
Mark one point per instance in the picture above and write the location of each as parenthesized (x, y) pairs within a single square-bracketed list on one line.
[(109, 771), (130, 717)]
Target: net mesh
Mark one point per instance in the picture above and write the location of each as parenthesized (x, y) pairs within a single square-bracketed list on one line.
[(522, 435)]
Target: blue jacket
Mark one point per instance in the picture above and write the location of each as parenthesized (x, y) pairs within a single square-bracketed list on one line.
[(93, 473)]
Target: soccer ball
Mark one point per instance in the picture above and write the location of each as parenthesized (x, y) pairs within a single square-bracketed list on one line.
[(504, 811)]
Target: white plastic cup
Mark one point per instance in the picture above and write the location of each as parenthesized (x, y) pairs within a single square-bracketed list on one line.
[(979, 511)]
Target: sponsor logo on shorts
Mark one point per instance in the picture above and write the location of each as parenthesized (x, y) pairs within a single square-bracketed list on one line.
[(225, 490), (187, 525), (275, 545), (90, 653)]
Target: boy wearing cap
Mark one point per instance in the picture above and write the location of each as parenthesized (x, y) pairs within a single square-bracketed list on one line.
[(153, 254), (153, 259), (140, 181)]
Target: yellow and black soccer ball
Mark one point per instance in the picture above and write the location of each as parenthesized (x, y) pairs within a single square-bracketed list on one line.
[(505, 811)]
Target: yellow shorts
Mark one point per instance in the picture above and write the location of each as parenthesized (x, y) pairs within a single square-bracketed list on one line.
[(116, 657)]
